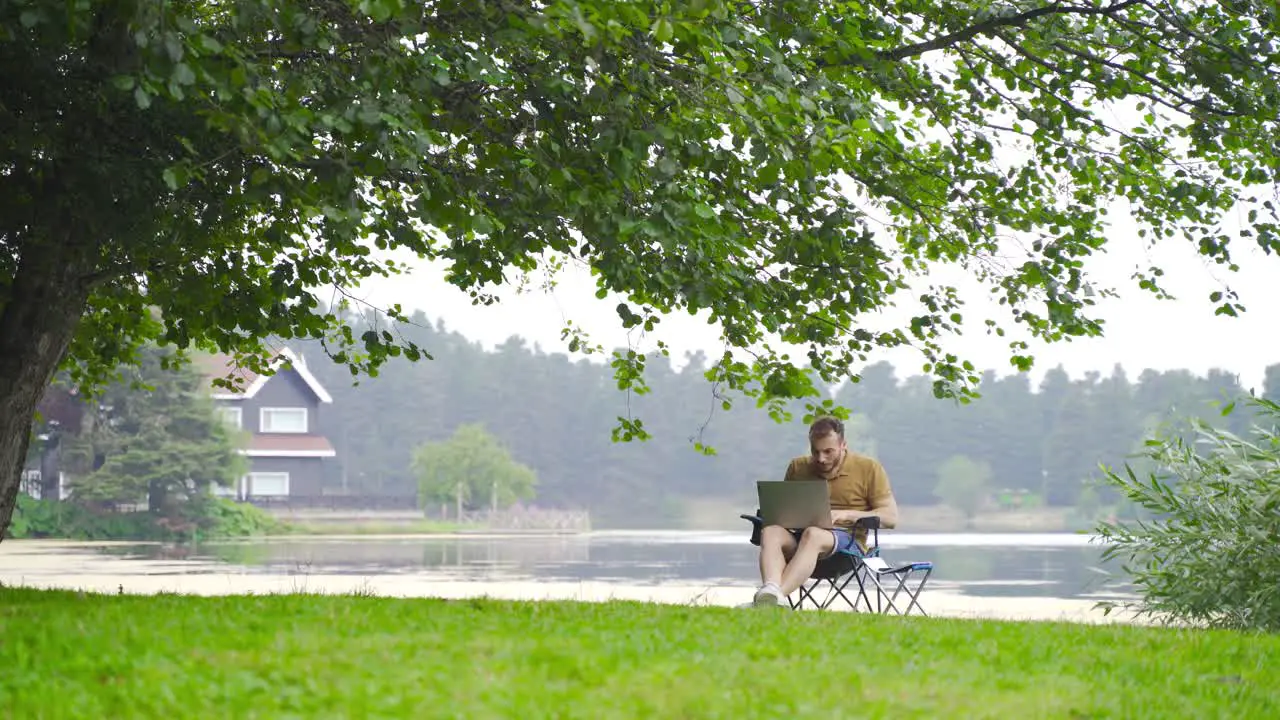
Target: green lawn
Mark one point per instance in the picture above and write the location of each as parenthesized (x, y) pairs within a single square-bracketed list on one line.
[(71, 655)]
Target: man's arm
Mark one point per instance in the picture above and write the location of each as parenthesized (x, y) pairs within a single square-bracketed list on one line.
[(883, 504), (886, 509)]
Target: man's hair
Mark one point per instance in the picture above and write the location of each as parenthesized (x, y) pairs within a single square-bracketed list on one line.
[(826, 425)]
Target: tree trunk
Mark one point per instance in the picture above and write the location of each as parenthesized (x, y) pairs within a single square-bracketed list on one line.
[(157, 498), (37, 321)]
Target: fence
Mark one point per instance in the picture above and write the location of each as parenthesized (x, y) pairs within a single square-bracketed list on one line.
[(517, 517), (530, 518), (336, 502)]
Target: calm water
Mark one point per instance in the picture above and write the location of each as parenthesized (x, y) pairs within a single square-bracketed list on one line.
[(1048, 565)]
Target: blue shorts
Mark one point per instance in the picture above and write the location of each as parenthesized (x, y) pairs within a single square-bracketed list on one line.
[(844, 539)]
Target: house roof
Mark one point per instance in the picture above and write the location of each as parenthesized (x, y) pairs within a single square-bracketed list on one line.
[(223, 366), (288, 445)]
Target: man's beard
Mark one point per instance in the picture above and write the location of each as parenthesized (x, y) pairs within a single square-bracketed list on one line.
[(828, 470)]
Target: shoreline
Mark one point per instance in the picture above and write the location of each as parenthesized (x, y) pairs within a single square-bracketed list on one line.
[(52, 564), (890, 539), (937, 603)]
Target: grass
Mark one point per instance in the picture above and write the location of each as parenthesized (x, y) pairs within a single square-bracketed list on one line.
[(73, 655), (372, 527)]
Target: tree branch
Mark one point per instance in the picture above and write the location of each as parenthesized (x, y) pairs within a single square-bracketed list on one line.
[(1153, 81), (986, 27)]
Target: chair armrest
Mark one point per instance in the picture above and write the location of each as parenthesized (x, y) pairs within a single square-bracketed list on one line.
[(871, 523), (757, 523)]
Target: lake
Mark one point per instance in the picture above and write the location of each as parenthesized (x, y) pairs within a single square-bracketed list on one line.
[(1034, 576)]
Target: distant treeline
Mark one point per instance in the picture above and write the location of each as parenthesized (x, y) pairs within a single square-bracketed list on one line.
[(555, 415)]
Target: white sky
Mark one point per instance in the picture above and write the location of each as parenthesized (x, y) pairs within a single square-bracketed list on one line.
[(1141, 331)]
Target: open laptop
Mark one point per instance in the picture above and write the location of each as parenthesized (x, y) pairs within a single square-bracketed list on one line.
[(795, 503)]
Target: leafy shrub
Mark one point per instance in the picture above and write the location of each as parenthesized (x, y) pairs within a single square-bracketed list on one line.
[(34, 518), (69, 520), (232, 519), (1203, 548)]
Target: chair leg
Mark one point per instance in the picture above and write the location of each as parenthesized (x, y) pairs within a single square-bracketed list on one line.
[(914, 595), (864, 578), (835, 589), (839, 586), (805, 593), (868, 579), (903, 575)]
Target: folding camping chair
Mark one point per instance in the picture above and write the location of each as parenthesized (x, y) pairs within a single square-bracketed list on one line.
[(839, 571)]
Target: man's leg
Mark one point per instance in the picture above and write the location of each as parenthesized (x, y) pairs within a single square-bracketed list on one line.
[(777, 545), (815, 544)]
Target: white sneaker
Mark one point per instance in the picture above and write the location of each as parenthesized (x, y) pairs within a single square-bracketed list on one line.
[(768, 595)]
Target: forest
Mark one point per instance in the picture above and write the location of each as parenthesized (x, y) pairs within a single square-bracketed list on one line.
[(554, 414)]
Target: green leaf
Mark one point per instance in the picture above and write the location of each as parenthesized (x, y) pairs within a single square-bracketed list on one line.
[(183, 75), (170, 177), (662, 30)]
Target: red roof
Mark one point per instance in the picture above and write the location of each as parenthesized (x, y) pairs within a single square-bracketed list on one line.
[(220, 366), (245, 382)]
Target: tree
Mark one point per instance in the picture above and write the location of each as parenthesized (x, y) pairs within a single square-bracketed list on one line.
[(224, 162), (1271, 383), (469, 468), (1014, 445), (1210, 559), (963, 484), (157, 441), (1066, 468)]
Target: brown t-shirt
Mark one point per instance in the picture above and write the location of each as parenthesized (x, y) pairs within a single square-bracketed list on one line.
[(860, 484)]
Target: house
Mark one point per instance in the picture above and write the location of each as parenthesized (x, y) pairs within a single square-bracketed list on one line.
[(280, 414), (61, 411)]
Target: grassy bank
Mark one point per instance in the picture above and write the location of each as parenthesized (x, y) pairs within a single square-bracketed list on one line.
[(222, 519), (66, 654), (371, 527)]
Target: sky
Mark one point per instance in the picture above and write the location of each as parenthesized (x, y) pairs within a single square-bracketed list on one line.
[(1141, 331)]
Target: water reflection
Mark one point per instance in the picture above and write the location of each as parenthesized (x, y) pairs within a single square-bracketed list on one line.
[(980, 566)]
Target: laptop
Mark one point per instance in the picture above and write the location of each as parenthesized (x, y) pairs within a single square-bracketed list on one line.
[(795, 504)]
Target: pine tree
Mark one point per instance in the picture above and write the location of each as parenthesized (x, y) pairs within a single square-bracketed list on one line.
[(157, 442)]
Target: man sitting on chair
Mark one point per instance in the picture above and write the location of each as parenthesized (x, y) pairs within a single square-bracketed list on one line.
[(859, 487)]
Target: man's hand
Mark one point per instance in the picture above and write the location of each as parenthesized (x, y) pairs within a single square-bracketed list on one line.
[(848, 517), (886, 510)]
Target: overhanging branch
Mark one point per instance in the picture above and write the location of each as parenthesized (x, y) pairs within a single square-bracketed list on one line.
[(986, 27)]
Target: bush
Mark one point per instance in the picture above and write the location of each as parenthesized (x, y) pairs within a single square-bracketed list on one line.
[(232, 519), (68, 520), (34, 518), (1203, 546)]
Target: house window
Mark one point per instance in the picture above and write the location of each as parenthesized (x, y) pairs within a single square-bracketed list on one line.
[(231, 416), (283, 420), (268, 484)]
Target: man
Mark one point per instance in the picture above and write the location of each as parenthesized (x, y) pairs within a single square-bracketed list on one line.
[(859, 487)]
